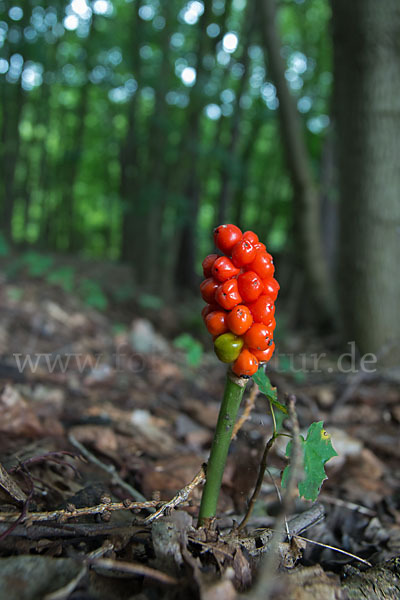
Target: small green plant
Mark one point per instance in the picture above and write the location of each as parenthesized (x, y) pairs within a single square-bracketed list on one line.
[(37, 264), (92, 294), (240, 291), (64, 277), (192, 347), (4, 247), (150, 301)]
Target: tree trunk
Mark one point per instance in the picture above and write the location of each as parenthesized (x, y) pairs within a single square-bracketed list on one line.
[(229, 176), (185, 275), (305, 194), (367, 109)]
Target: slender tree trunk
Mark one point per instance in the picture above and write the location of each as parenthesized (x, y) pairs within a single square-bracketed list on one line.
[(13, 99), (157, 163), (133, 211), (367, 109), (185, 275), (229, 176), (305, 193), (72, 164)]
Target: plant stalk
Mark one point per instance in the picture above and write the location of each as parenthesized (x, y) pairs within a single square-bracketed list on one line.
[(233, 394)]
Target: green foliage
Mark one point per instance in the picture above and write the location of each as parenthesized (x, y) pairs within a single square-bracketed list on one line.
[(192, 347), (4, 246), (37, 264), (265, 387), (64, 277), (92, 294), (317, 450), (14, 294), (215, 135), (150, 301), (118, 328), (286, 365)]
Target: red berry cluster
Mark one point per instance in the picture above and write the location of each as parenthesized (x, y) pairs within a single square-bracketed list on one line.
[(240, 291)]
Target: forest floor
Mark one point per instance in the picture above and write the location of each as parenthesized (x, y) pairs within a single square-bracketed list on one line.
[(86, 440)]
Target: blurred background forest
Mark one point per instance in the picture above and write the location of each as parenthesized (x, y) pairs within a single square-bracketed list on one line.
[(131, 128)]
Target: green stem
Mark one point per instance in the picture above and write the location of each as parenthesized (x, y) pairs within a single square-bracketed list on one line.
[(233, 394)]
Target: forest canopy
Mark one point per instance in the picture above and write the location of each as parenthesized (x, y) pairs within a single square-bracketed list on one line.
[(131, 128)]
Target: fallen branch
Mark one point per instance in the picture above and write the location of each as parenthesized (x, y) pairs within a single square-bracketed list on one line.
[(105, 508)]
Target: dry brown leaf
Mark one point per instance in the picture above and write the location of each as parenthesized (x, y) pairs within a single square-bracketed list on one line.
[(16, 415)]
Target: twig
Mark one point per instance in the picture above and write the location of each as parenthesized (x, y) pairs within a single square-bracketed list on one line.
[(25, 507), (108, 468), (133, 569), (180, 497), (346, 504), (260, 479), (250, 401), (62, 515), (333, 548), (52, 456), (8, 484)]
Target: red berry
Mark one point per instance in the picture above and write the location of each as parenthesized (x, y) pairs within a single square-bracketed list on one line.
[(258, 337), (243, 253), (226, 236), (250, 286), (251, 237), (239, 319), (216, 322), (208, 288), (260, 247), (227, 294), (264, 355), (246, 364), (271, 288), (209, 308), (208, 263), (271, 324), (262, 265), (262, 310), (224, 269)]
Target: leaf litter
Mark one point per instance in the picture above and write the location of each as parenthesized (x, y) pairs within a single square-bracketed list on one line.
[(107, 428)]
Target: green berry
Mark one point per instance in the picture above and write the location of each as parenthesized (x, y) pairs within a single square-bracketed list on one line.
[(227, 347)]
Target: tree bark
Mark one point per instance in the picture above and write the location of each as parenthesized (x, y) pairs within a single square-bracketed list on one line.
[(307, 224), (366, 37)]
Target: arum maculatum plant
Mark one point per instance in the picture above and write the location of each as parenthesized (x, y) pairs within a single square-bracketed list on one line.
[(240, 291)]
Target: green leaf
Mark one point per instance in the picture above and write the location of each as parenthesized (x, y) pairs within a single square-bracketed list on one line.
[(192, 347), (4, 247), (150, 301), (264, 384), (64, 277), (37, 264), (92, 294), (317, 450)]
